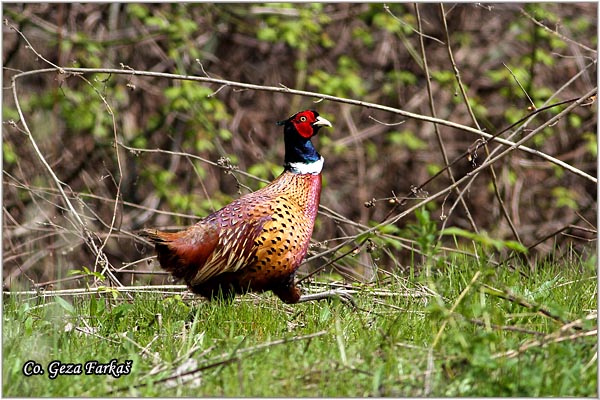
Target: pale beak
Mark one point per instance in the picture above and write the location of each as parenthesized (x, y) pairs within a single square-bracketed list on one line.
[(321, 122)]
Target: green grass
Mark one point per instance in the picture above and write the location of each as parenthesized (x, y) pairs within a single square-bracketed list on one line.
[(399, 344)]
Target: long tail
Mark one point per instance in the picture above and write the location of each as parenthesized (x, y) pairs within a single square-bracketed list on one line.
[(182, 253)]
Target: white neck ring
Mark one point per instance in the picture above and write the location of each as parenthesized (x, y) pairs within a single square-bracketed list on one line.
[(312, 168)]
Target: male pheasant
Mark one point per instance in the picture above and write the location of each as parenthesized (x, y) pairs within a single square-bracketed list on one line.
[(257, 242)]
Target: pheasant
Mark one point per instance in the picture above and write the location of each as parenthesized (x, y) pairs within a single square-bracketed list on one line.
[(257, 242)]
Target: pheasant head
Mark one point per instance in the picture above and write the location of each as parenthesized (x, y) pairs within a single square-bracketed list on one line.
[(301, 157)]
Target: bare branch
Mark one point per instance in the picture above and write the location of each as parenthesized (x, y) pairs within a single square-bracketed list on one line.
[(320, 96)]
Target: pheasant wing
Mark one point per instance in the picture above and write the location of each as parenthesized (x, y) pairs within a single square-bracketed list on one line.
[(236, 247)]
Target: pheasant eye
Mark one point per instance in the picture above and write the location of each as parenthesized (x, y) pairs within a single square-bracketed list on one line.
[(303, 119)]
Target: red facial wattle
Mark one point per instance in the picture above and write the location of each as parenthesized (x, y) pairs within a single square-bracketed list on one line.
[(303, 124)]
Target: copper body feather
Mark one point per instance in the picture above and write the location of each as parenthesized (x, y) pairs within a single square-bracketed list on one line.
[(255, 243)]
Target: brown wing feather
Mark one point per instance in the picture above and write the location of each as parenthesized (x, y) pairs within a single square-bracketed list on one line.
[(236, 247), (222, 242), (182, 252)]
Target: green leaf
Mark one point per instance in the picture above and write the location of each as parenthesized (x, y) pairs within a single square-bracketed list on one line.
[(407, 139), (68, 307), (138, 10), (565, 197), (516, 246), (591, 143), (8, 153), (484, 239), (443, 77)]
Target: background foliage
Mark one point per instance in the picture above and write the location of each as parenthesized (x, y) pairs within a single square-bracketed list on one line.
[(95, 131), (483, 288)]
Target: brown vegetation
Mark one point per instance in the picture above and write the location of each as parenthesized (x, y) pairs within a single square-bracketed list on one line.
[(99, 133)]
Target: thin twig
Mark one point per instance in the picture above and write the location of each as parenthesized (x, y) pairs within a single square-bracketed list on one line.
[(513, 298), (529, 118), (436, 128), (474, 119), (106, 266), (525, 121), (318, 96), (556, 33), (234, 356), (520, 86), (93, 290), (549, 339), (418, 31), (483, 166), (90, 240)]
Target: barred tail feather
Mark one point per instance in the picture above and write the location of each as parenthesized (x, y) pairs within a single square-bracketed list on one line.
[(183, 253)]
